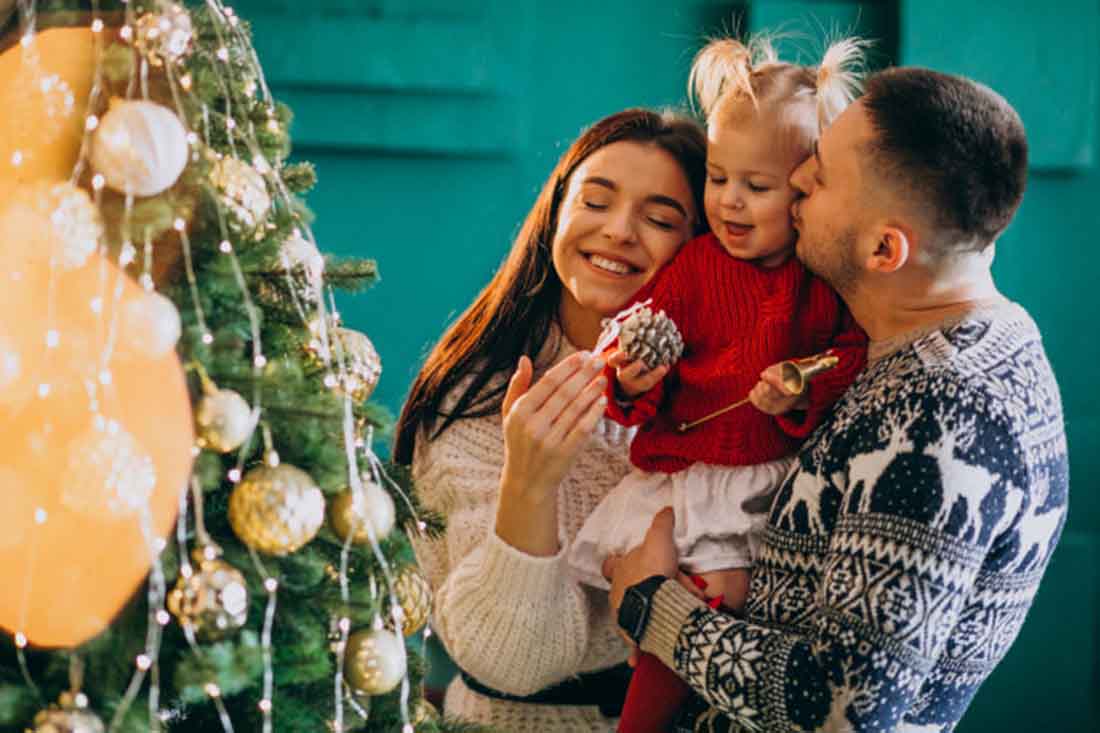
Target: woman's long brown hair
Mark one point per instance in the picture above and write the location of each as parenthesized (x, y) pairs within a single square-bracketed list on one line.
[(513, 314)]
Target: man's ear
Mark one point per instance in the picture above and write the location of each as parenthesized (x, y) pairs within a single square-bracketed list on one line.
[(891, 251)]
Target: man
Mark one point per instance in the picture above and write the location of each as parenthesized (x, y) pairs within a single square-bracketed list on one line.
[(904, 548)]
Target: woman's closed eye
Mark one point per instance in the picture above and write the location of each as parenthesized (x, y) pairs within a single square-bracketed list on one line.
[(595, 205)]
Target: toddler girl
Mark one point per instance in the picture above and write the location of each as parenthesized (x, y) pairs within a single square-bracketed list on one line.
[(743, 303)]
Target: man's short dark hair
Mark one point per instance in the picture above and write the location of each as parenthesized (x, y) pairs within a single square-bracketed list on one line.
[(958, 147)]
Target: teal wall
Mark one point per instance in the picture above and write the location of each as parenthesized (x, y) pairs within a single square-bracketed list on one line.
[(433, 122)]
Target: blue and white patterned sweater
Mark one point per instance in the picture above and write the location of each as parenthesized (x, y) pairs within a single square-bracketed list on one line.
[(902, 551)]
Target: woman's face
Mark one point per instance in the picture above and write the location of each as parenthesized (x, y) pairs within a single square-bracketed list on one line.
[(627, 209)]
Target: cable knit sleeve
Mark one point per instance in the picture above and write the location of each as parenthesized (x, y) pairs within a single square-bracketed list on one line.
[(514, 622)]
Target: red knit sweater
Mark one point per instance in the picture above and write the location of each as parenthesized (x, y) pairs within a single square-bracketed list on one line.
[(736, 319)]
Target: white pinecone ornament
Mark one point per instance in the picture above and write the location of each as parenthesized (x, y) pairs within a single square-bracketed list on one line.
[(651, 337)]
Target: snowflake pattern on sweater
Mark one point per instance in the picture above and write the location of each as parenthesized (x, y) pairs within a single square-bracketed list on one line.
[(902, 551)]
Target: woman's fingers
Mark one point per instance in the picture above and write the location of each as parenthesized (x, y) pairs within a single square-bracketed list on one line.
[(517, 385), (575, 409), (549, 383), (582, 428), (567, 392)]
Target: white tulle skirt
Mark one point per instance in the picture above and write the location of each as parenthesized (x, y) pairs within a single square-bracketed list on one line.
[(720, 512)]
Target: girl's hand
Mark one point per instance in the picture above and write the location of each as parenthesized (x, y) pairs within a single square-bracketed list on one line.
[(632, 376), (771, 397), (545, 426)]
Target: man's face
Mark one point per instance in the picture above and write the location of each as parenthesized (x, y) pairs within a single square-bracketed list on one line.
[(829, 216)]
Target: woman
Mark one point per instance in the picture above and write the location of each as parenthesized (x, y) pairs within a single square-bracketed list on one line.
[(516, 465)]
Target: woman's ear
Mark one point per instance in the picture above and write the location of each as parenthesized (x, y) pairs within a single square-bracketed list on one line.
[(891, 251)]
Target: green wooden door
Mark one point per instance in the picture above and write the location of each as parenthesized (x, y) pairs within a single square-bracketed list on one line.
[(433, 123)]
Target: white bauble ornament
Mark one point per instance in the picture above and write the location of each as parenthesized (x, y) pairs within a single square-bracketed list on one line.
[(150, 325), (140, 147), (374, 661), (223, 420)]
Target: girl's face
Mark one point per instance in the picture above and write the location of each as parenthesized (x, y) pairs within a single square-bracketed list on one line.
[(748, 193), (626, 210)]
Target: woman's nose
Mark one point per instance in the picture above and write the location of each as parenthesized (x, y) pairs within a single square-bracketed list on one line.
[(619, 226)]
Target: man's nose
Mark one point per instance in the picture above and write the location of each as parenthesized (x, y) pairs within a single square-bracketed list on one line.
[(801, 179)]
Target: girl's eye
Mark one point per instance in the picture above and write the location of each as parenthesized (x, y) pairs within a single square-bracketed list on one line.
[(757, 189)]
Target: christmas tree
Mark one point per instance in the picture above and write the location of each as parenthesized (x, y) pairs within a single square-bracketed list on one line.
[(195, 532)]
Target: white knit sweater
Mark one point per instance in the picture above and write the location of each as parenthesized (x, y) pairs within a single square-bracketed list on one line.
[(515, 622)]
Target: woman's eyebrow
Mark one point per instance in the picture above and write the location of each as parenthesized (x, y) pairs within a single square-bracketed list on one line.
[(655, 198)]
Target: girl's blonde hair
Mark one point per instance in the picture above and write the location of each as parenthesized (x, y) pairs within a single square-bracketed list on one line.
[(732, 79)]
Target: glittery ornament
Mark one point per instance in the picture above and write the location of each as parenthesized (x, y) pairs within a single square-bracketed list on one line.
[(276, 509), (424, 712), (350, 513), (415, 596), (374, 661), (651, 337), (242, 191), (164, 37), (211, 599), (150, 325), (361, 365), (223, 420), (139, 146), (304, 265), (110, 474), (54, 222), (70, 715)]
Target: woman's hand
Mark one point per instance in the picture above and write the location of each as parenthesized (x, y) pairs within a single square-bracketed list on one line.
[(545, 426), (632, 375)]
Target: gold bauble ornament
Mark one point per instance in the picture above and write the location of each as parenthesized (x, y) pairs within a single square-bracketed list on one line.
[(164, 37), (374, 661), (70, 715), (415, 598), (242, 191), (223, 420), (211, 599), (362, 367), (276, 509), (305, 266), (351, 513), (110, 475), (51, 222), (139, 147), (424, 712)]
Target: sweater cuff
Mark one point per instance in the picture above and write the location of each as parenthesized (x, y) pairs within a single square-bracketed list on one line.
[(524, 575), (668, 614)]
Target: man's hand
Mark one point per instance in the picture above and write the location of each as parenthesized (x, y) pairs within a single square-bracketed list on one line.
[(656, 555)]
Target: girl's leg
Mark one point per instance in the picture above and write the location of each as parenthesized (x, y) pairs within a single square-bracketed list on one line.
[(656, 692)]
